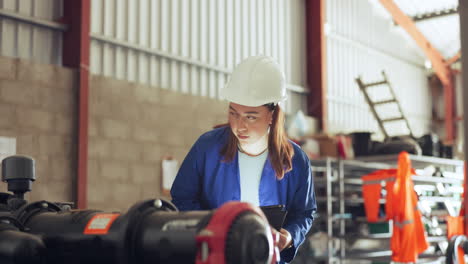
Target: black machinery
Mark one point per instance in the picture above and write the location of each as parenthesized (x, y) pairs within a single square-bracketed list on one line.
[(152, 231)]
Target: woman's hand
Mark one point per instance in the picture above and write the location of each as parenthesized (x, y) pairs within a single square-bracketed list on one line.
[(285, 239)]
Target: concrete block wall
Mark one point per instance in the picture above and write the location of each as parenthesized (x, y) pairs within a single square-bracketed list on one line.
[(132, 127), (38, 107)]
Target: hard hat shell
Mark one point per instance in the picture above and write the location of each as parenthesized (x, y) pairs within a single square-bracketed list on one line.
[(256, 81)]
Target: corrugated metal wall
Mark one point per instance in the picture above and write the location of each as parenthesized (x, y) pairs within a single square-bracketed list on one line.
[(18, 39), (360, 42), (191, 46)]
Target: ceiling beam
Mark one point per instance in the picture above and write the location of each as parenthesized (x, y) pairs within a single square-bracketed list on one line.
[(435, 14), (454, 59), (438, 62), (441, 68)]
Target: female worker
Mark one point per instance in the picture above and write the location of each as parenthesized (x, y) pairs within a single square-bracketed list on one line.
[(250, 159)]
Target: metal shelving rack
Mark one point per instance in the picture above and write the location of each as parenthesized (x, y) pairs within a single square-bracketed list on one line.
[(333, 175), (416, 161)]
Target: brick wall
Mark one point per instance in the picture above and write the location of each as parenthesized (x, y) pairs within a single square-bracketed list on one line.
[(38, 108), (131, 128)]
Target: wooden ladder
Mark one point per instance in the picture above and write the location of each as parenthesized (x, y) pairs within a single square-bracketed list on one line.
[(392, 100)]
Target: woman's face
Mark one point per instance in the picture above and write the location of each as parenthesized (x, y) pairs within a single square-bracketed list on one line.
[(249, 124)]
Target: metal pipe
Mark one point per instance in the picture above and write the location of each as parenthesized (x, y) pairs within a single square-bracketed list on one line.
[(297, 89), (329, 176), (33, 20), (366, 47), (153, 52)]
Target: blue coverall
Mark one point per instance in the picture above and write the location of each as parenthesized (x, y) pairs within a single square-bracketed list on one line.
[(205, 182)]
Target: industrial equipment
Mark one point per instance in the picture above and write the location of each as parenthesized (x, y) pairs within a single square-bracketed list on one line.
[(152, 231)]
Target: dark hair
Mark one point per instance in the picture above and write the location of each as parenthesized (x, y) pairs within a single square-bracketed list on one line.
[(280, 150)]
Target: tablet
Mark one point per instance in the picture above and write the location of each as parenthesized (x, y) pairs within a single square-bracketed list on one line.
[(275, 215)]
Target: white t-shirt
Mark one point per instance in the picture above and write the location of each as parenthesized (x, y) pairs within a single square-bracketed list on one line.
[(250, 172)]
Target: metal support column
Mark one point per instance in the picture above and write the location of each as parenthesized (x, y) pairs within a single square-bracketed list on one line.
[(76, 45), (329, 177), (463, 12), (341, 178), (316, 61)]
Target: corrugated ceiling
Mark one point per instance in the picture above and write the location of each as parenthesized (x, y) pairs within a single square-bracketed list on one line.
[(443, 29)]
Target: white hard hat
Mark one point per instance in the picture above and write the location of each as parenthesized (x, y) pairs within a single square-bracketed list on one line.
[(256, 81)]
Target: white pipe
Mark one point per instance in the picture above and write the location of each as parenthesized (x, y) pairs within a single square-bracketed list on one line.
[(33, 21)]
